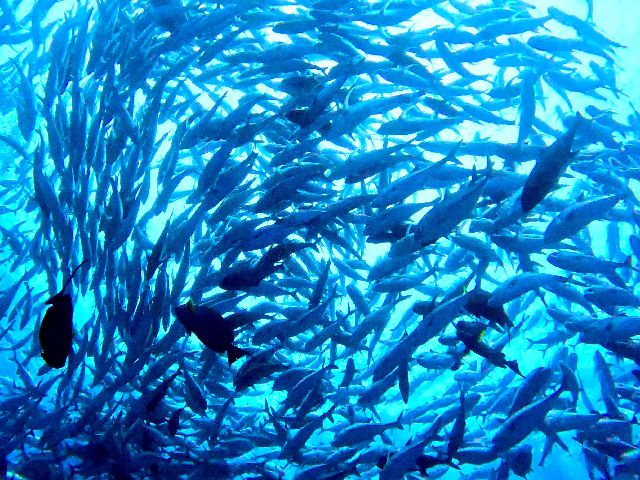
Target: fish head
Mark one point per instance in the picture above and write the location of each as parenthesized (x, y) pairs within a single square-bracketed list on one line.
[(186, 316), (472, 330)]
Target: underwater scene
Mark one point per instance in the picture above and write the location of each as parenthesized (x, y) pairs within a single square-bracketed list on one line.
[(319, 239)]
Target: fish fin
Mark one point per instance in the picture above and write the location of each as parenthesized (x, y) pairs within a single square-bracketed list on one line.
[(449, 462), (73, 274), (541, 297), (513, 365), (329, 413), (374, 411), (441, 453), (629, 263), (555, 438), (234, 353), (399, 421), (385, 439)]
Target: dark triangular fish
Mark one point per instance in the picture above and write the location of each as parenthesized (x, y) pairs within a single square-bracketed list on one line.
[(56, 330), (211, 328), (477, 305)]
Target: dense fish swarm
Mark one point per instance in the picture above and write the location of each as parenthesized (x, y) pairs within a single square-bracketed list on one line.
[(315, 240)]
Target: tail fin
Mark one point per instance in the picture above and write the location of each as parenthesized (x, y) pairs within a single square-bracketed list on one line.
[(628, 263), (578, 120), (234, 353), (569, 380), (331, 366), (513, 365), (449, 462), (398, 422), (555, 438), (422, 469), (564, 385), (531, 342)]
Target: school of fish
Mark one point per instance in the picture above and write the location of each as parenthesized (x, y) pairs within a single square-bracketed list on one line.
[(316, 239)]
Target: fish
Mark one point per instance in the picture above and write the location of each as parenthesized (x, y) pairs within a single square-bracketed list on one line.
[(548, 168), (359, 433), (211, 328), (520, 284), (470, 334), (456, 437), (257, 368), (520, 424), (577, 216), (155, 397), (56, 330), (401, 462), (530, 387), (350, 371)]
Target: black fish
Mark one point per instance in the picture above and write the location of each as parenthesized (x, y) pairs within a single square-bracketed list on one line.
[(56, 330), (211, 328), (470, 333), (477, 305)]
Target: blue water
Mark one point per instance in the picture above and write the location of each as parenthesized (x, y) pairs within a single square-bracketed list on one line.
[(95, 99)]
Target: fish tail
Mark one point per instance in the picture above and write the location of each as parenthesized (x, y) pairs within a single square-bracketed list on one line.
[(564, 384), (513, 365), (234, 353), (449, 462), (329, 413), (332, 366), (398, 422), (628, 263)]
